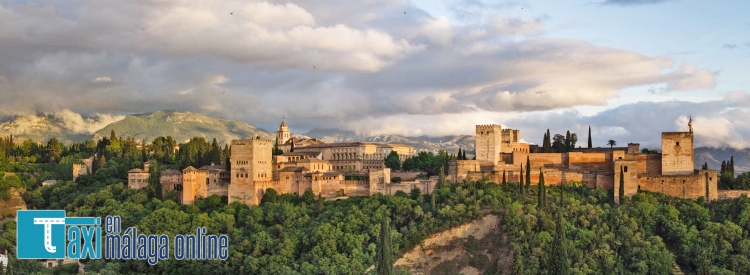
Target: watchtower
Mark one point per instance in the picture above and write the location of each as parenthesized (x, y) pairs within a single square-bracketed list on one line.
[(488, 143)]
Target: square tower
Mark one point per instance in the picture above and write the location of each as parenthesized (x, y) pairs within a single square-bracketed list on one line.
[(488, 143), (677, 155), (250, 163)]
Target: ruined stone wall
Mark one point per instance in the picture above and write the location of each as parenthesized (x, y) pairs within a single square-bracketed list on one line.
[(488, 143), (693, 186), (459, 170), (677, 153)]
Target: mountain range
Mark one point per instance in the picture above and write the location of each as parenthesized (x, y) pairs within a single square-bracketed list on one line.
[(183, 125)]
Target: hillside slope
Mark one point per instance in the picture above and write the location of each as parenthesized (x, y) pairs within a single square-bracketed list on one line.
[(478, 247)]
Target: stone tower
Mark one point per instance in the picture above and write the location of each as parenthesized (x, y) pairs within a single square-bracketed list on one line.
[(251, 164), (677, 156), (488, 143), (282, 135)]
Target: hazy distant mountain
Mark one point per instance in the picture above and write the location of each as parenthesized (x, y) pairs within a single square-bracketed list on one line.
[(714, 157), (450, 143), (43, 127), (182, 126)]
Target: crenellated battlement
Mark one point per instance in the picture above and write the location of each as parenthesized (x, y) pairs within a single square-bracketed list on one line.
[(248, 141), (488, 127)]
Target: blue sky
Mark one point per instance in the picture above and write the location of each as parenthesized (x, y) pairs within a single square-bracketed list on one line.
[(630, 69)]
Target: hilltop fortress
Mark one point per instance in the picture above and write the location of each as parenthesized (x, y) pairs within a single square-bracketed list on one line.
[(329, 170), (358, 168), (671, 172)]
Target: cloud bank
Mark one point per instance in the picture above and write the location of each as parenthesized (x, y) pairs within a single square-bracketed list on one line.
[(383, 66)]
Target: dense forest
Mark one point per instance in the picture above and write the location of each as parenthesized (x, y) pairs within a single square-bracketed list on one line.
[(552, 230)]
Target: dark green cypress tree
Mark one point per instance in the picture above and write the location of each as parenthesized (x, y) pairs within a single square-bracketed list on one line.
[(548, 145), (144, 154), (153, 179), (320, 203), (540, 190), (459, 154), (622, 185), (517, 261), (520, 180), (433, 203), (385, 249), (504, 179), (560, 263), (590, 145), (723, 167), (731, 165), (464, 157), (567, 141), (528, 173)]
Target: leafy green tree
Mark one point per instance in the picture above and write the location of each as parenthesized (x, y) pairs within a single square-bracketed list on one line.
[(270, 196), (385, 249), (54, 150), (433, 203), (393, 161)]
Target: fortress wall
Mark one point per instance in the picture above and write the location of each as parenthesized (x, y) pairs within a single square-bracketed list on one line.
[(460, 169), (425, 187), (683, 186), (580, 160), (218, 188), (405, 176), (329, 188), (548, 160), (630, 174), (649, 163), (242, 192), (732, 194)]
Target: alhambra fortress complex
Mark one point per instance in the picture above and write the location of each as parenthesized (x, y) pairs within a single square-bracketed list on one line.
[(310, 164)]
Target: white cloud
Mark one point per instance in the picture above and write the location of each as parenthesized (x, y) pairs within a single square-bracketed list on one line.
[(102, 79)]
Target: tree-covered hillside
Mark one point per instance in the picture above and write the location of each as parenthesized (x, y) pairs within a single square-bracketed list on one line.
[(578, 231)]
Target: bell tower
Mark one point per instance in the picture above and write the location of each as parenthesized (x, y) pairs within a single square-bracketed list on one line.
[(282, 135)]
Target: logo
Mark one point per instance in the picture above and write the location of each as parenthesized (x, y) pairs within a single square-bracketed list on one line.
[(49, 234)]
